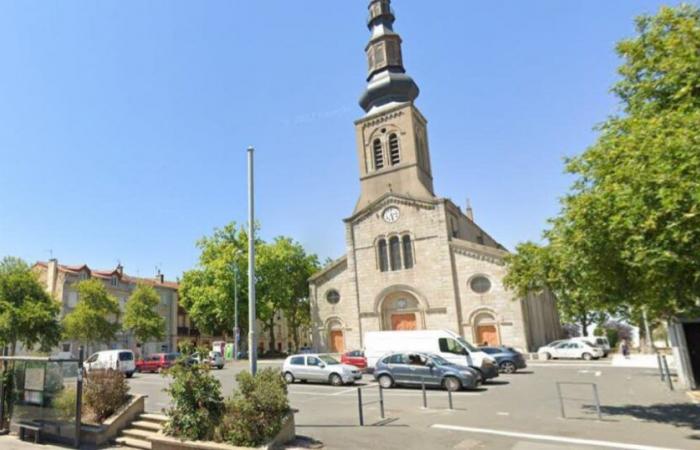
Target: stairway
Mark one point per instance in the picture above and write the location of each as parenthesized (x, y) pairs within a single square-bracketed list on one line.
[(139, 434)]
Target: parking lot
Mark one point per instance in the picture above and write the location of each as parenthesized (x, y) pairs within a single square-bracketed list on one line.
[(519, 411)]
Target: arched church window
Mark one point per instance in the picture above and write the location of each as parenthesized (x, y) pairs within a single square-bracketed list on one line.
[(378, 154), (383, 259), (407, 252), (394, 152), (395, 253)]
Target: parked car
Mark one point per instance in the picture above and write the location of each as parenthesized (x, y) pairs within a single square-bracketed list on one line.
[(571, 349), (417, 368), (600, 341), (319, 368), (508, 359), (156, 362), (122, 360), (445, 343), (354, 358), (213, 359)]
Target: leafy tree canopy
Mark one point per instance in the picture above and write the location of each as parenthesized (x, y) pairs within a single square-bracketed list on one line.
[(95, 317), (141, 316)]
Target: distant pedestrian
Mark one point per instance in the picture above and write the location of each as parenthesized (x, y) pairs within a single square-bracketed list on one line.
[(625, 349)]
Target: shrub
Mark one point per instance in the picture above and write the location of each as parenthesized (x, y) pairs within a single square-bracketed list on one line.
[(104, 392), (64, 404), (197, 402), (255, 413)]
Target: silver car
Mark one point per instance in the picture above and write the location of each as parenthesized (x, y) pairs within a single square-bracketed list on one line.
[(319, 368)]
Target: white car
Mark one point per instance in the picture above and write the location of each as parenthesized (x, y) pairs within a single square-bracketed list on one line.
[(122, 360), (213, 359), (573, 349), (599, 341), (319, 368)]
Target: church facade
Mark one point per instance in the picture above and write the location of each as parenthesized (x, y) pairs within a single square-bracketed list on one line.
[(414, 260)]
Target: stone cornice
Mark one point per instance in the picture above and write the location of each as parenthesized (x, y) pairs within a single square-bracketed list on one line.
[(391, 198), (478, 251), (327, 269)]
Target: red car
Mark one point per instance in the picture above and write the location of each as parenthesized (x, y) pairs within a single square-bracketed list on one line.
[(354, 358), (157, 362)]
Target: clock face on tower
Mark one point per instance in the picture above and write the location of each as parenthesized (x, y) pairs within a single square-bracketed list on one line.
[(391, 214)]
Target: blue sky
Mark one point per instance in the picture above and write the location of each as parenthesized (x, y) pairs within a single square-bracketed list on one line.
[(124, 124)]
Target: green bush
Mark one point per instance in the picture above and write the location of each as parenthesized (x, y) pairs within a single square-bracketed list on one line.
[(197, 403), (64, 404), (255, 413), (104, 392)]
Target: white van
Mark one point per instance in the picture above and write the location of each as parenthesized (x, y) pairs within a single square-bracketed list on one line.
[(122, 360), (445, 343)]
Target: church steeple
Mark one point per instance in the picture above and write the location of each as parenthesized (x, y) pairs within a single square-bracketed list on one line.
[(387, 81)]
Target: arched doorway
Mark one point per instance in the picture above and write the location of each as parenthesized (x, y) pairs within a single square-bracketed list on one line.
[(486, 330), (336, 337), (401, 311)]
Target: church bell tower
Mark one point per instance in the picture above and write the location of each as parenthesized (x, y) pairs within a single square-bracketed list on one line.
[(392, 138)]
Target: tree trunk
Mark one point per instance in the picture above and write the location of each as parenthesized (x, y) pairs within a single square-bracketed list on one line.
[(295, 336), (584, 325), (272, 333)]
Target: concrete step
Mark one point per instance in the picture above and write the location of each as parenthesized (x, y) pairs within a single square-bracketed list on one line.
[(133, 443), (147, 425), (139, 434), (153, 417)]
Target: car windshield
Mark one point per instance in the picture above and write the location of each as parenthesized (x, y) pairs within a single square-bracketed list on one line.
[(328, 359), (467, 344), (126, 356), (439, 360)]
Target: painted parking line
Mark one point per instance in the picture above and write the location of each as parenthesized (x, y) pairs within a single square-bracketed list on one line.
[(550, 438)]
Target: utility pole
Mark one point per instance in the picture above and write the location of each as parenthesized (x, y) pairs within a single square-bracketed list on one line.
[(236, 330), (252, 341)]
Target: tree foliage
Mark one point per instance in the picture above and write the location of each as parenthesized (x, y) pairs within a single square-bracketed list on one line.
[(95, 318), (28, 314), (628, 236), (141, 316)]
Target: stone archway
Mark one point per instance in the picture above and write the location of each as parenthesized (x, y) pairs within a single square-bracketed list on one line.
[(401, 310), (485, 328), (336, 336)]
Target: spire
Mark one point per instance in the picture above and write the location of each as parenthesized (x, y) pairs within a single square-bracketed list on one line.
[(387, 81)]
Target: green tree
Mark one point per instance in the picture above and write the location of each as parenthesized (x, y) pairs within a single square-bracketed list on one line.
[(207, 292), (95, 318), (141, 316), (28, 314)]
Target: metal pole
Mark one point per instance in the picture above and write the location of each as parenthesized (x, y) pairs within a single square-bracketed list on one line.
[(449, 398), (661, 366), (381, 400), (425, 399), (561, 401), (236, 332), (669, 382), (359, 406), (79, 397), (597, 401), (2, 392), (252, 342)]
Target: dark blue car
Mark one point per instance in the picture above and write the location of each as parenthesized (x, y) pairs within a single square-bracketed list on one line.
[(508, 359)]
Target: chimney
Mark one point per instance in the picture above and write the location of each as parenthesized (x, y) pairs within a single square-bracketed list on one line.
[(469, 212), (160, 278), (120, 270), (51, 275)]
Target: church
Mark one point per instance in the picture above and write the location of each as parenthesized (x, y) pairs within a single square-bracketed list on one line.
[(413, 260)]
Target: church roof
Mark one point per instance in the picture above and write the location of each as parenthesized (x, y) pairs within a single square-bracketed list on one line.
[(328, 268)]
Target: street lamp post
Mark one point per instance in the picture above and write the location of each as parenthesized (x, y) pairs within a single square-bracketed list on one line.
[(236, 330), (252, 342)]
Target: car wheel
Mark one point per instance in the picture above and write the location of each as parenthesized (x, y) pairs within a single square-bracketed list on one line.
[(508, 367), (451, 384), (335, 379), (129, 374), (546, 356), (288, 377), (221, 367), (385, 381), (587, 356)]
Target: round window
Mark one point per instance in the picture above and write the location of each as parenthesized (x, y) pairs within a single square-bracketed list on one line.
[(333, 297), (480, 284)]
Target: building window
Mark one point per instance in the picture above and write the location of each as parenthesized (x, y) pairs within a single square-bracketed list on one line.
[(407, 252), (480, 284), (394, 153), (378, 154), (333, 297), (114, 281), (395, 253), (383, 260)]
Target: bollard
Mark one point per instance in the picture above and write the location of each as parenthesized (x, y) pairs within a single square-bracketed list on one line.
[(449, 398), (597, 401), (561, 401), (381, 401), (359, 406), (661, 366), (79, 397), (425, 399), (669, 382)]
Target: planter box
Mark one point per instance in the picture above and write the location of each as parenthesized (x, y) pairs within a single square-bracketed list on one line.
[(110, 428), (286, 434)]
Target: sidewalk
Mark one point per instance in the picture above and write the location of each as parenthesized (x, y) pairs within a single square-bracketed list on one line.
[(12, 442)]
